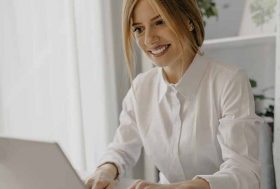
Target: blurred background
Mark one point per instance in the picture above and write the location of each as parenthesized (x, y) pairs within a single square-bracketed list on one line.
[(63, 75)]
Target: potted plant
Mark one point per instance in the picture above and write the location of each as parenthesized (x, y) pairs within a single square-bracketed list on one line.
[(268, 112), (262, 11), (208, 9)]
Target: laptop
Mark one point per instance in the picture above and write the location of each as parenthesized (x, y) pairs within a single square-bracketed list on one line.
[(28, 164)]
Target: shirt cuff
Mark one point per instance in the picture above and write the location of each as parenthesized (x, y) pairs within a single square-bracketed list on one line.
[(116, 163), (218, 181)]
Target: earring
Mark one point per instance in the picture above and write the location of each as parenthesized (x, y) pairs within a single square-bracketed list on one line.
[(191, 27)]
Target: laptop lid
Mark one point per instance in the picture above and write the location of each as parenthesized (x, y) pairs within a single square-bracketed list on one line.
[(28, 164)]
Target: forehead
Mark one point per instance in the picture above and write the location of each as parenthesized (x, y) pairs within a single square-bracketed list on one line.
[(143, 11)]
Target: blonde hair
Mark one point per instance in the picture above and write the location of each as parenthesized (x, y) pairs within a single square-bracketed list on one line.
[(178, 15)]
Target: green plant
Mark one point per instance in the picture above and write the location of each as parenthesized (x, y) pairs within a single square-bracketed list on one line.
[(208, 9), (262, 11), (258, 96), (269, 111)]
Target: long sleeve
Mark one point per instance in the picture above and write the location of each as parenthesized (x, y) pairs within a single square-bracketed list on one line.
[(237, 137), (125, 149)]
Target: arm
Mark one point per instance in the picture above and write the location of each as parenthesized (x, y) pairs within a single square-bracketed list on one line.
[(122, 153), (237, 137), (125, 149), (197, 183)]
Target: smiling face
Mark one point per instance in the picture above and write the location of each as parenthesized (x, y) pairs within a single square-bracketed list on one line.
[(154, 37), (169, 32)]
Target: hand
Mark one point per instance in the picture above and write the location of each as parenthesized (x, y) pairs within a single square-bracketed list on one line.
[(103, 178), (198, 183), (141, 184), (191, 184)]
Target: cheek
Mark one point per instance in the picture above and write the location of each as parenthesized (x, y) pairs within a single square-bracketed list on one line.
[(140, 43)]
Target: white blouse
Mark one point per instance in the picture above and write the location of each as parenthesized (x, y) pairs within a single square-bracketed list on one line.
[(203, 126)]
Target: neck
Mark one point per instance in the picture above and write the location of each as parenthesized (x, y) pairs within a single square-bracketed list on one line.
[(174, 73)]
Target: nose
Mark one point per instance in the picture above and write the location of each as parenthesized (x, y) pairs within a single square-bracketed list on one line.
[(151, 36)]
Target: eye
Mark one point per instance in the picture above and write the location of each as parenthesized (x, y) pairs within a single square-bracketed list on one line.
[(137, 30), (160, 22)]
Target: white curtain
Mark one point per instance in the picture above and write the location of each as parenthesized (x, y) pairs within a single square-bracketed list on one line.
[(96, 50), (56, 75)]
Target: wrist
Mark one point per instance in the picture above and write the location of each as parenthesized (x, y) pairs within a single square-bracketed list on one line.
[(198, 183), (202, 183), (110, 168)]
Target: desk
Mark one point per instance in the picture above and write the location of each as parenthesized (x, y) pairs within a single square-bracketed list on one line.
[(124, 183)]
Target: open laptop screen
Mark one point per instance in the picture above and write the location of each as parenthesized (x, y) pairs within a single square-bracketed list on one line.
[(32, 165)]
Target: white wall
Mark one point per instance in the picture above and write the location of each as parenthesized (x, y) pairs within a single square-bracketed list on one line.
[(276, 148), (229, 20)]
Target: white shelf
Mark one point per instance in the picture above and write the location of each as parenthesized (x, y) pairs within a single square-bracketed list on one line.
[(240, 41)]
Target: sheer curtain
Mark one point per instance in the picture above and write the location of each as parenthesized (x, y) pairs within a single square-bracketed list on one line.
[(56, 74), (97, 64)]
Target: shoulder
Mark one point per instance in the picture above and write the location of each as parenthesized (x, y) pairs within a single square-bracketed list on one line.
[(223, 72), (222, 68), (221, 78)]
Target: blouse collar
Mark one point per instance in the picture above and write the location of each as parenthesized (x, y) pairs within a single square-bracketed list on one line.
[(189, 83)]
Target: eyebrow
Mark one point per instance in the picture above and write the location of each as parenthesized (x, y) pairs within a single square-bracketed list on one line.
[(154, 18)]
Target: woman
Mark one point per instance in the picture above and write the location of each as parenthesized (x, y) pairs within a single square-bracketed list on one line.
[(193, 116)]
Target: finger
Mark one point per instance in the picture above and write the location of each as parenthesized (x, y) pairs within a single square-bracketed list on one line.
[(158, 186), (100, 185), (94, 184), (111, 184), (133, 185), (142, 185), (151, 186), (88, 181)]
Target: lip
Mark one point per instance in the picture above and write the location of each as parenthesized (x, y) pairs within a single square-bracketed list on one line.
[(155, 48)]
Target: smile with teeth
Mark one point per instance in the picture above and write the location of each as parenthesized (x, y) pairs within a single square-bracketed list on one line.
[(160, 50)]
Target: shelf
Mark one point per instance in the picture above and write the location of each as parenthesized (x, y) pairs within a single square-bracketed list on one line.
[(240, 41)]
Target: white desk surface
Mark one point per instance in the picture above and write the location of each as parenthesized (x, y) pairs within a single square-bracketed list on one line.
[(124, 183)]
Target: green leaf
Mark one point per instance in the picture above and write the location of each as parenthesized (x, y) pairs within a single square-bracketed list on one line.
[(208, 9), (262, 11), (260, 97), (253, 83)]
